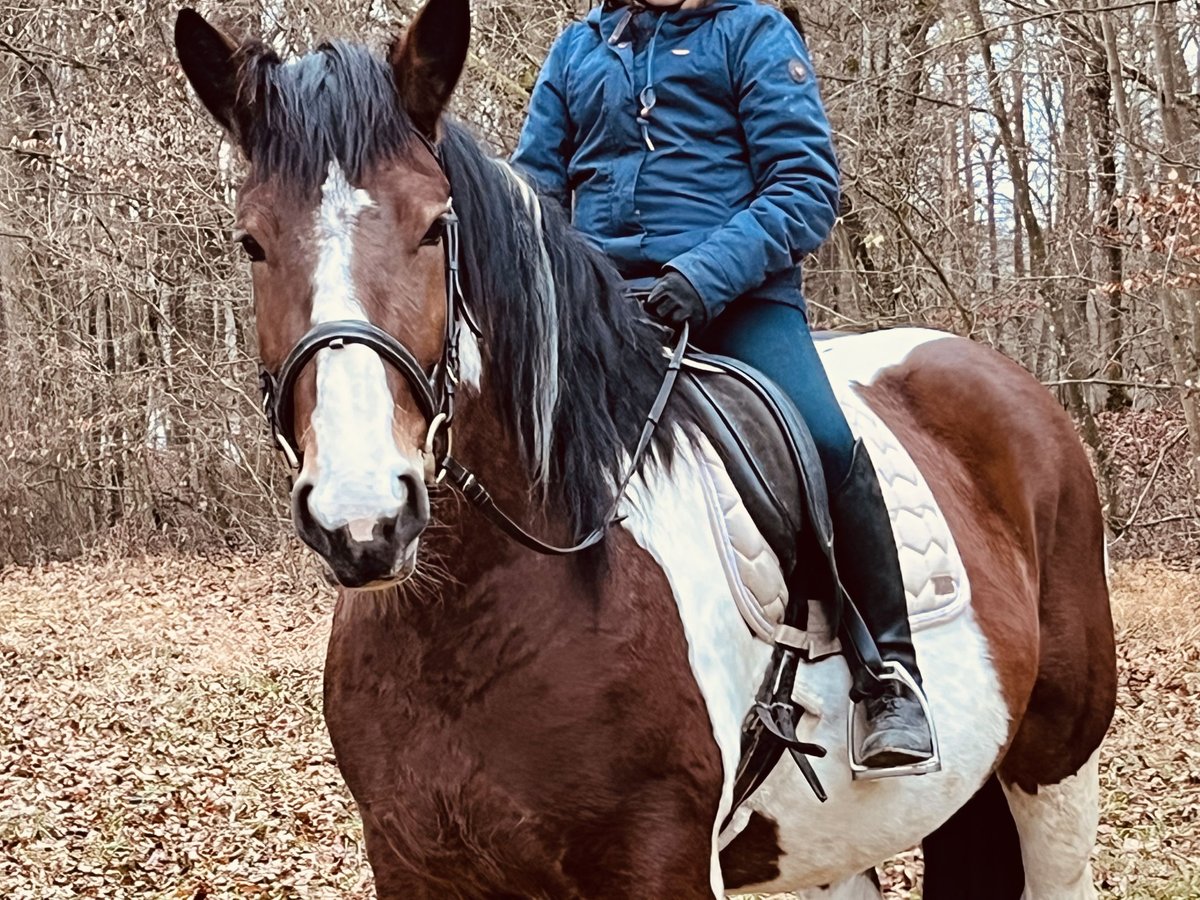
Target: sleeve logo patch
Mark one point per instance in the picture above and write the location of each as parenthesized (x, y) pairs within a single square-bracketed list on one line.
[(798, 70)]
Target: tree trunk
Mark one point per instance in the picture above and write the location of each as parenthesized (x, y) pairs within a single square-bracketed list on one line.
[(1175, 302)]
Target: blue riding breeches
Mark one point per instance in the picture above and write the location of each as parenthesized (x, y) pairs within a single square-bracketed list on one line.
[(775, 339)]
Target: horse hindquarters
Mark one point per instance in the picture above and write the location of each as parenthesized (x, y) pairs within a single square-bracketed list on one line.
[(1051, 772), (1023, 502)]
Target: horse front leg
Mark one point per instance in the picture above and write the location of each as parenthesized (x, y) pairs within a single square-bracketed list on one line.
[(666, 849)]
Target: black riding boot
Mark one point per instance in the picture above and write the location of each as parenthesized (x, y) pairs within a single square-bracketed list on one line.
[(896, 731)]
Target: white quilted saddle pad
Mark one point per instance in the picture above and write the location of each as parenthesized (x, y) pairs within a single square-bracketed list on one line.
[(933, 571)]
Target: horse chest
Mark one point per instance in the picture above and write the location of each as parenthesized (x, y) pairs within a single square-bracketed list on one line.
[(506, 748)]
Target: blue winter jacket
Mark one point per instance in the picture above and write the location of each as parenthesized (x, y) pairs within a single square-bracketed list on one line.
[(730, 175)]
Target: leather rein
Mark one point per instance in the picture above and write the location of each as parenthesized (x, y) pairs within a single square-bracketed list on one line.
[(434, 393)]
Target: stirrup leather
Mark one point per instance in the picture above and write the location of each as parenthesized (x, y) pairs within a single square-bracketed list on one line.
[(892, 672)]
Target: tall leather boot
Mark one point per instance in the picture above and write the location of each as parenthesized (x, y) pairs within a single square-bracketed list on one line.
[(896, 732)]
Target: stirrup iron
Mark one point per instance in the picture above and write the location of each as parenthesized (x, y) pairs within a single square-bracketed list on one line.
[(892, 671)]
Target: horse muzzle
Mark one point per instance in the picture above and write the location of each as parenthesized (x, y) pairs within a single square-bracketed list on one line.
[(369, 551)]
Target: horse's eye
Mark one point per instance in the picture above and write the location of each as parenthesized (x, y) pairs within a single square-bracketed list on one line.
[(435, 233), (252, 247)]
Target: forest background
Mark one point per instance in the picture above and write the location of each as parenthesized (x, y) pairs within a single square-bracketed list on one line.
[(1024, 173)]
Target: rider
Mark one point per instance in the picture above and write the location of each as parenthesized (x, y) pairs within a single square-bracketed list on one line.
[(689, 139)]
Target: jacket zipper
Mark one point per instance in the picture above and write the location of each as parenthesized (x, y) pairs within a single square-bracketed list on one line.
[(622, 24)]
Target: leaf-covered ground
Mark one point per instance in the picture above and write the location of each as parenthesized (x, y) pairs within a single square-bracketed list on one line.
[(160, 736)]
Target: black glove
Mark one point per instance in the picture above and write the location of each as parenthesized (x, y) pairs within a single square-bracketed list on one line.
[(674, 301)]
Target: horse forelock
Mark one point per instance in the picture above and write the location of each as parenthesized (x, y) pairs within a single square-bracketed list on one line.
[(336, 104)]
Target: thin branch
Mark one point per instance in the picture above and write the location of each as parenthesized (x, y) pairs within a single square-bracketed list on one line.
[(1162, 455), (1110, 382)]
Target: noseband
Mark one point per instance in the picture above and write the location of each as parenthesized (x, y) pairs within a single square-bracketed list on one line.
[(434, 393)]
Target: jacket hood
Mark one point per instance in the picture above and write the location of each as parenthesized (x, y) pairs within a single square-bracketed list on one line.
[(688, 8)]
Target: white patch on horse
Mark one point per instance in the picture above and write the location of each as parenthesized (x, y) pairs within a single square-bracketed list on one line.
[(1057, 826), (355, 473), (470, 361), (860, 887), (546, 311), (863, 822), (662, 507), (873, 352)]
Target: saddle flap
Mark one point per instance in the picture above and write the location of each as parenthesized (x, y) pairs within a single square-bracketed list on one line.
[(767, 450), (751, 448)]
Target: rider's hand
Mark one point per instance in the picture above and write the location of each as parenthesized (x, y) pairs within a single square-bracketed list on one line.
[(674, 301)]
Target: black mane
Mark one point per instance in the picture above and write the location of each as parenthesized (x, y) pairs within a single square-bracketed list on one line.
[(340, 104), (610, 358)]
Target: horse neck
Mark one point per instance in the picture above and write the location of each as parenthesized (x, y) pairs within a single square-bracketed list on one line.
[(485, 446), (472, 584)]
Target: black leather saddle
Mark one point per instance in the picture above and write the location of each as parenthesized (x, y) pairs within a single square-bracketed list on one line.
[(770, 456), (769, 453)]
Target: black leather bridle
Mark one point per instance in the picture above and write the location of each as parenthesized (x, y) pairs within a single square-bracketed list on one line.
[(435, 392)]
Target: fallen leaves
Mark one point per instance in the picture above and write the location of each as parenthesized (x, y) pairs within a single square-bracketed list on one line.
[(162, 736)]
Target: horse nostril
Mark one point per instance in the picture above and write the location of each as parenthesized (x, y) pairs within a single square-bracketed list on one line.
[(306, 523), (414, 514), (412, 490), (301, 511)]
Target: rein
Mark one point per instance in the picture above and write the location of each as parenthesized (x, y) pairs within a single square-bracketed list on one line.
[(434, 394)]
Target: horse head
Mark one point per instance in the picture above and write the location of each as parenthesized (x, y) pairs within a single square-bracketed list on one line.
[(343, 215)]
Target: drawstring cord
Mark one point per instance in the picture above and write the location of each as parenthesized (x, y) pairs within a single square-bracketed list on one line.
[(647, 98)]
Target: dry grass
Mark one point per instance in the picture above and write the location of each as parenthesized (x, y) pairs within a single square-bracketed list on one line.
[(161, 728), (1150, 826)]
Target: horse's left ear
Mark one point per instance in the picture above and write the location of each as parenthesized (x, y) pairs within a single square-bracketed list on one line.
[(428, 58)]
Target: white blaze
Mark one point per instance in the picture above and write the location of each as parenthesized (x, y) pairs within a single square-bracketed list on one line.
[(355, 472)]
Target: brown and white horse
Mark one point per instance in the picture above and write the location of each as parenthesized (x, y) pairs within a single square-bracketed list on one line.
[(522, 725)]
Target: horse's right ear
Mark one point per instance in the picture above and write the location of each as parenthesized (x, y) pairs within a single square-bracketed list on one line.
[(208, 59)]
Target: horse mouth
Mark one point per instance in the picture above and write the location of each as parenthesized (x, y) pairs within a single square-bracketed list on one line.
[(353, 577)]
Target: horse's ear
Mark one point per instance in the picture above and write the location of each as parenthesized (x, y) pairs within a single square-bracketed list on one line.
[(208, 59), (428, 58)]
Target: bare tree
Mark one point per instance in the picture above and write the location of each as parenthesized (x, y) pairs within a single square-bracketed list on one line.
[(1021, 173)]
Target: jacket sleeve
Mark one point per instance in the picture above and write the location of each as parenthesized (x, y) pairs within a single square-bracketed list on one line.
[(793, 163), (545, 144)]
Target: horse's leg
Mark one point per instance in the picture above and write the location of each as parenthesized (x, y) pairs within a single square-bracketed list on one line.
[(864, 886), (976, 853), (392, 881), (1058, 830)]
